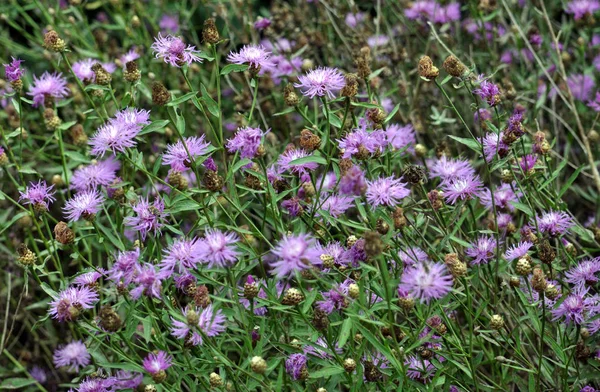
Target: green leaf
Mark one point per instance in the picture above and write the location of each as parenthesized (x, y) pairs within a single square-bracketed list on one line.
[(184, 205), (327, 372), (309, 159), (16, 383), (523, 207), (181, 99), (366, 105), (155, 126), (233, 68), (212, 106), (570, 181), (472, 144), (345, 332), (392, 114)]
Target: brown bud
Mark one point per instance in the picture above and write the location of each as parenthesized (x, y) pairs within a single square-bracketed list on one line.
[(289, 95), (109, 320), (212, 181), (210, 34), (103, 78), (382, 226), (63, 234), (538, 280), (309, 141), (292, 296), (400, 221), (52, 41), (320, 320), (426, 68), (454, 66), (26, 256), (160, 94), (201, 296), (132, 73), (350, 89), (374, 246)]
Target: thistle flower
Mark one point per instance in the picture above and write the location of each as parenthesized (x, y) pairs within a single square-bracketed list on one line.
[(294, 253), (527, 162), (177, 156), (292, 206), (504, 197), (412, 255), (128, 380), (286, 162), (97, 384), (353, 182), (74, 355), (581, 86), (83, 69), (118, 133), (148, 217), (462, 188), (387, 191), (262, 23), (335, 205), (180, 256), (488, 91), (217, 249), (39, 195), (320, 82), (69, 303), (321, 349), (131, 55), (147, 281), (173, 51), (448, 169), (209, 322), (89, 278), (580, 8), (169, 23), (13, 71), (38, 374), (86, 204), (102, 173), (419, 369), (518, 250), (362, 144), (584, 273), (401, 137), (336, 298), (155, 362), (595, 103), (492, 146), (554, 223), (572, 308), (246, 141), (52, 86), (339, 255), (123, 269), (483, 250), (295, 366), (426, 281), (256, 56)]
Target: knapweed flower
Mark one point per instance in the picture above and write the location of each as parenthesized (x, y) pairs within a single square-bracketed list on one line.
[(362, 144), (518, 250), (295, 366), (48, 86), (431, 11), (246, 142), (295, 253), (148, 217), (256, 56), (131, 55), (335, 205), (70, 302), (387, 191), (462, 189), (83, 69), (353, 182), (426, 281), (401, 137), (493, 145), (39, 195), (412, 255), (13, 71), (488, 91), (448, 169), (580, 8), (169, 23), (320, 82), (262, 23), (128, 380), (147, 281), (584, 273), (174, 51), (527, 162), (286, 162), (123, 269), (218, 249), (595, 103), (101, 173), (89, 278), (321, 349), (419, 369), (74, 355), (572, 308), (119, 132), (177, 156), (581, 86), (483, 250), (38, 374), (338, 254), (209, 322), (555, 223), (86, 204), (157, 362), (97, 384), (181, 255), (336, 298), (293, 206), (504, 197)]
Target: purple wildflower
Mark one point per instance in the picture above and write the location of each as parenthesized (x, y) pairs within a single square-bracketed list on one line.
[(123, 268), (595, 104), (555, 223), (85, 204), (83, 69), (262, 23), (246, 141), (448, 169), (462, 188), (527, 162), (584, 273), (504, 197), (378, 40), (518, 250), (294, 253), (48, 86), (148, 217), (156, 362), (128, 380), (321, 349), (258, 310), (131, 55), (181, 255), (147, 281), (13, 70), (97, 384), (177, 156), (39, 195), (218, 249), (581, 86), (70, 302), (419, 369), (335, 250), (286, 162), (361, 143), (488, 92), (386, 191), (426, 281), (320, 82), (492, 145), (335, 205), (74, 355), (174, 51), (572, 308), (482, 251), (401, 137), (412, 256), (88, 279), (292, 206), (256, 56), (581, 8), (118, 133), (169, 23), (353, 182), (38, 374), (295, 366), (336, 298), (209, 322), (102, 173)]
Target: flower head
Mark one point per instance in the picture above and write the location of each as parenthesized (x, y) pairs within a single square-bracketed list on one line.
[(387, 191), (401, 137), (517, 251), (335, 205), (361, 143), (209, 321), (256, 56), (295, 253), (174, 51), (119, 132), (39, 195), (177, 156), (448, 169), (488, 92), (320, 82), (97, 384), (101, 173), (483, 250), (573, 307), (85, 204), (83, 69), (147, 281), (595, 103), (504, 197), (131, 55), (426, 281), (419, 369), (555, 223), (580, 8), (336, 298), (74, 355), (48, 86), (462, 188), (527, 162), (123, 269), (412, 255), (70, 302), (181, 255), (88, 278), (286, 162), (13, 70), (169, 23), (353, 182), (218, 249), (584, 273), (321, 349), (155, 362), (148, 217), (295, 366), (246, 141)]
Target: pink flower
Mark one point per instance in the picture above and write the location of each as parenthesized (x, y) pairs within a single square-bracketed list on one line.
[(174, 51)]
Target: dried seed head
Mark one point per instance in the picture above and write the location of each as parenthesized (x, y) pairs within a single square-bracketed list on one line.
[(382, 226), (515, 282), (149, 388), (400, 221), (201, 296), (328, 261), (52, 41), (496, 322), (177, 180), (320, 320), (545, 252), (374, 246), (551, 292), (309, 141), (363, 62), (538, 280), (415, 174), (454, 66), (78, 135), (250, 290), (212, 181), (353, 290), (132, 73), (159, 376), (376, 116), (436, 198), (51, 120), (292, 296), (289, 95), (210, 34), (63, 234), (258, 365), (426, 68), (351, 240), (108, 319), (103, 78), (350, 89), (160, 94), (456, 267)]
